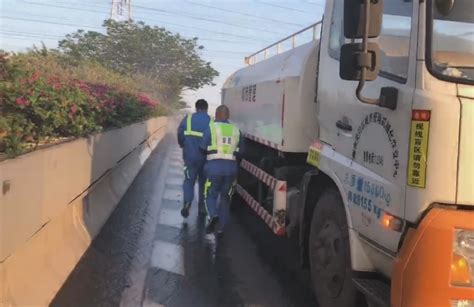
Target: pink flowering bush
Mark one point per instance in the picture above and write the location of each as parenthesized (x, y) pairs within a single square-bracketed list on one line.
[(38, 107)]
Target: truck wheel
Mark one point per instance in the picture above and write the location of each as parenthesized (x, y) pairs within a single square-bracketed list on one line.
[(329, 252)]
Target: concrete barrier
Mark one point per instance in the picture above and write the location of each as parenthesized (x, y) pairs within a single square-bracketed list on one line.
[(54, 201)]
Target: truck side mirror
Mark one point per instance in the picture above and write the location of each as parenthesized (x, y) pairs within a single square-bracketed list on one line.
[(361, 61), (355, 17), (353, 59), (362, 20), (444, 7)]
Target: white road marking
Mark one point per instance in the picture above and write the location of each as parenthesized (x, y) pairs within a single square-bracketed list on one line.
[(175, 171), (175, 180), (176, 157), (148, 303), (132, 296), (176, 164), (168, 256), (171, 194), (171, 217)]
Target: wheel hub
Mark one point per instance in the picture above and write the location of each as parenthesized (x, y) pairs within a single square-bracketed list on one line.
[(329, 258)]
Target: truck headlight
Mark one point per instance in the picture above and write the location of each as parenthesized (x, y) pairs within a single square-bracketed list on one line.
[(462, 303), (462, 262)]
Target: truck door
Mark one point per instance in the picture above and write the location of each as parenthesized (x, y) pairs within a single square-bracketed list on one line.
[(370, 143)]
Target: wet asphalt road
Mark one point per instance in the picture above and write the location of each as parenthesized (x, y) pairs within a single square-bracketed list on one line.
[(148, 255)]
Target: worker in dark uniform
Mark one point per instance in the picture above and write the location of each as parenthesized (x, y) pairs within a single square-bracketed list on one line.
[(190, 134), (222, 143)]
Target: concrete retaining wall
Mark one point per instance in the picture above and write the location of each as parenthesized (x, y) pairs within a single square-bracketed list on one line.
[(54, 201)]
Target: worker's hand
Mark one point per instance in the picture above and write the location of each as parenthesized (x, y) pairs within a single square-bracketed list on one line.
[(238, 158)]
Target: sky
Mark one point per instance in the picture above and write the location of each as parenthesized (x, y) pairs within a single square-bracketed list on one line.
[(228, 30)]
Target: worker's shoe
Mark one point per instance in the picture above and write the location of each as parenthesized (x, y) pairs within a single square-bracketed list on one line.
[(211, 225), (185, 210)]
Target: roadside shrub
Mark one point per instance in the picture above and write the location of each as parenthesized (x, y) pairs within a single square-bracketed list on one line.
[(39, 106)]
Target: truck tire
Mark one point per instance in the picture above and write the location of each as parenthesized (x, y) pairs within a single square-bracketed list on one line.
[(329, 253)]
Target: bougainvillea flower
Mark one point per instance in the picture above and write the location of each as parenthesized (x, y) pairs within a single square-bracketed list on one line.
[(34, 77), (74, 109), (147, 101), (22, 101)]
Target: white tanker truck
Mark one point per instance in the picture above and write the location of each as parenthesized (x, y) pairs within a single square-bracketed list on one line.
[(375, 178)]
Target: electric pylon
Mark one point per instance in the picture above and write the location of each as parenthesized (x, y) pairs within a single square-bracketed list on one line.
[(121, 10)]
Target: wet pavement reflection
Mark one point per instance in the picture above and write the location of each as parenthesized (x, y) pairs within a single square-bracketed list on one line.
[(148, 255)]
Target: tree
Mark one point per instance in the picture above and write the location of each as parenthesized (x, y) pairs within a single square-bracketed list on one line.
[(136, 48)]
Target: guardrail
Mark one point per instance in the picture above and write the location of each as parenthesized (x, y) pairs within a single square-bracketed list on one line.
[(55, 200), (253, 58)]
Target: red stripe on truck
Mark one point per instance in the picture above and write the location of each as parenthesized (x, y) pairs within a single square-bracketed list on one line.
[(261, 212), (263, 176), (262, 141)]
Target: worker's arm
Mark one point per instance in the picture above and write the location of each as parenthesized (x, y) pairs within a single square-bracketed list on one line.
[(181, 128), (205, 142)]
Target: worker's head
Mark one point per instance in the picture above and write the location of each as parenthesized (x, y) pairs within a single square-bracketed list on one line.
[(201, 105), (222, 113)]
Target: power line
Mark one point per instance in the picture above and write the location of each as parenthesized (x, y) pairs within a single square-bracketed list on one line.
[(227, 51), (187, 37), (49, 22), (53, 37), (200, 29), (27, 37), (42, 17), (165, 12), (66, 7), (93, 27), (63, 37), (245, 14), (173, 24), (314, 3), (218, 40), (30, 34), (283, 7)]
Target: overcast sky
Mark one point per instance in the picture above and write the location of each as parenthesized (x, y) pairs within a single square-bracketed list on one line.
[(228, 30)]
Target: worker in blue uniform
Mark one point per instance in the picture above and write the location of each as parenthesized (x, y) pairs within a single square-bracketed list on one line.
[(222, 143), (190, 134)]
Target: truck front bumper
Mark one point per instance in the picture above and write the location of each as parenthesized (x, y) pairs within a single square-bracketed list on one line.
[(422, 269)]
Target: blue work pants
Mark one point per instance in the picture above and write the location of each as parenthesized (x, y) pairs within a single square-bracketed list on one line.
[(191, 174), (219, 190)]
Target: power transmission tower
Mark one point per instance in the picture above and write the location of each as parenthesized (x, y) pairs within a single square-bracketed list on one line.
[(121, 10)]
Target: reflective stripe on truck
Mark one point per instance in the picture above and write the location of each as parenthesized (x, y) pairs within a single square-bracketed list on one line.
[(263, 141), (275, 221)]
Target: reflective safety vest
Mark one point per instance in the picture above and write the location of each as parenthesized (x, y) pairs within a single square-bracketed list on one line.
[(189, 129), (224, 141)]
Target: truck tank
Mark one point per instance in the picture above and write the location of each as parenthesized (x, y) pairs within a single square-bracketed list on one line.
[(273, 102)]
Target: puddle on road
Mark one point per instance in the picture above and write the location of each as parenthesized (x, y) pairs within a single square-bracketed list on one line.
[(169, 257)]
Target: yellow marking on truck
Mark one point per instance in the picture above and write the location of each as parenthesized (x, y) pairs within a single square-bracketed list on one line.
[(420, 129), (314, 154)]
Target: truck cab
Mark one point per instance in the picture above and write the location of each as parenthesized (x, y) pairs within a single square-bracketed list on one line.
[(395, 166), (382, 201)]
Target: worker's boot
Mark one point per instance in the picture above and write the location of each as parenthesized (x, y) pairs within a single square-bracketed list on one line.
[(211, 226), (185, 210)]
